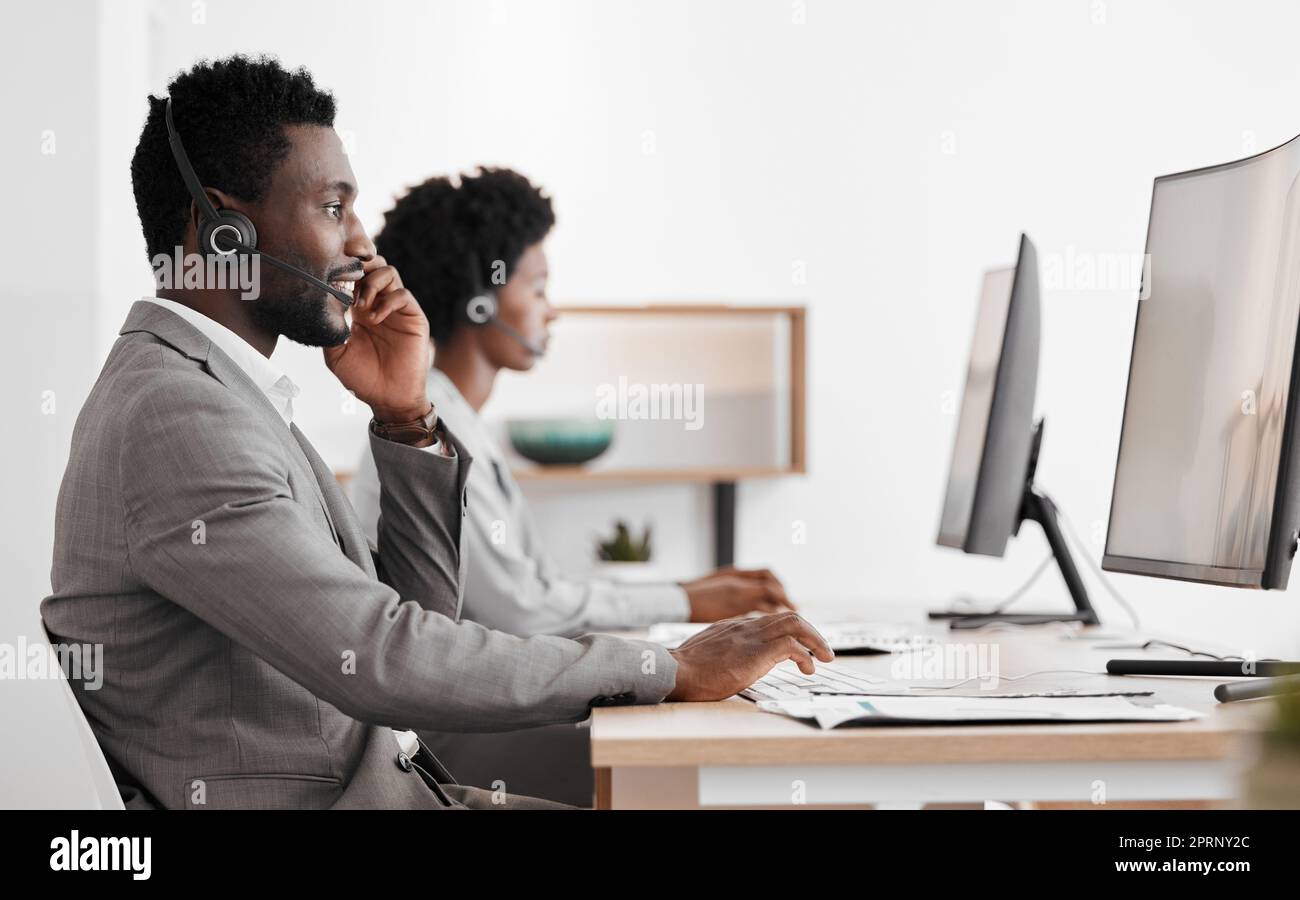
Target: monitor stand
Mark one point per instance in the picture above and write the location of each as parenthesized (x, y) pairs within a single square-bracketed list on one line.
[(1035, 506)]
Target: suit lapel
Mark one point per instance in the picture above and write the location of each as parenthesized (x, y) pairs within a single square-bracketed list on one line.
[(342, 517), (235, 378), (169, 327)]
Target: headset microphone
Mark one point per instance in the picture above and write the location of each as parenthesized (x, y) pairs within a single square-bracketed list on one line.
[(224, 231), (534, 349)]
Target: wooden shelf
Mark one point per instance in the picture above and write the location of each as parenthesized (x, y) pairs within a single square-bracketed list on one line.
[(795, 360)]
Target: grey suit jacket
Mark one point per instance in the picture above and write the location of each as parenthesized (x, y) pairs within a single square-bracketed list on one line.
[(254, 654)]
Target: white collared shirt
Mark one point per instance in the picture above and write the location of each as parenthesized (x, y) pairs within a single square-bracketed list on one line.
[(269, 378), (511, 583)]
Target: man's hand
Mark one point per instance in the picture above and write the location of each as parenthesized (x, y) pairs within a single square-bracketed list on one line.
[(730, 656), (385, 362), (731, 592)]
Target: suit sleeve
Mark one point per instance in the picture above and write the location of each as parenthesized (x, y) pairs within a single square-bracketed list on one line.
[(195, 464), (421, 517)]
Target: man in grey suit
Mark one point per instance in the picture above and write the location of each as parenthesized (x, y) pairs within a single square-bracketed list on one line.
[(257, 651)]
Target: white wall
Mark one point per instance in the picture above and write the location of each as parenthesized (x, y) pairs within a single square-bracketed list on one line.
[(59, 142), (698, 151)]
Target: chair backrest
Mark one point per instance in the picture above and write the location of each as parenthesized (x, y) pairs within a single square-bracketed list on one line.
[(50, 755), (103, 792)]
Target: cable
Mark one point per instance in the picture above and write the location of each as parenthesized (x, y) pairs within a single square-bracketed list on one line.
[(1096, 569), (1155, 642), (948, 687), (1029, 582), (1010, 598), (1042, 567)]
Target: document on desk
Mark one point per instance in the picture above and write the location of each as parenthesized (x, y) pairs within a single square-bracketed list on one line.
[(834, 712)]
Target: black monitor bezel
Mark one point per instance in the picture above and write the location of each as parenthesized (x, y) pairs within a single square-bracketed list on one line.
[(1005, 453)]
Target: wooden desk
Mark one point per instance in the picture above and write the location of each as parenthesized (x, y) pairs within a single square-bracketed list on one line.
[(729, 754)]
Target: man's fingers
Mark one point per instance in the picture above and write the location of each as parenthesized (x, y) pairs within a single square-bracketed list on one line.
[(817, 644), (372, 284), (793, 625), (386, 304), (796, 652)]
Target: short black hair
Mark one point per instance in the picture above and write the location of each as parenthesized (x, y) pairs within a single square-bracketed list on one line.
[(443, 230), (231, 115)]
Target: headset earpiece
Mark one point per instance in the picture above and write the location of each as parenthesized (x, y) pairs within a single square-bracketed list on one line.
[(481, 309), (228, 232)]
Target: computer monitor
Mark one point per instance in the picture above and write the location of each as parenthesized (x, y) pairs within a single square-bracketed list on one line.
[(1206, 477), (990, 479)]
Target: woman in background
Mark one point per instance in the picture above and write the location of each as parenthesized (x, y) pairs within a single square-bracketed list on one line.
[(455, 241)]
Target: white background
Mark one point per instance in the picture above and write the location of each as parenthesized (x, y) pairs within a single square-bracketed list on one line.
[(702, 151)]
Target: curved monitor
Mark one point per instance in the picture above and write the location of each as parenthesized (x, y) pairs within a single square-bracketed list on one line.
[(995, 425), (1204, 482)]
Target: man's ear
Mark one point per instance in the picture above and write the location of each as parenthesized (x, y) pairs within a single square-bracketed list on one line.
[(220, 199)]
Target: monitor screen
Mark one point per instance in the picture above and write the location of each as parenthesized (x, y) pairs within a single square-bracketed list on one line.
[(976, 405), (1213, 347)]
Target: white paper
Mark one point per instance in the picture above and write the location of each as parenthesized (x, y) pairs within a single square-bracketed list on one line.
[(831, 712)]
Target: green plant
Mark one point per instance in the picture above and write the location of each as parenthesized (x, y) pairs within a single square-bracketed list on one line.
[(1272, 781), (622, 548), (1286, 720)]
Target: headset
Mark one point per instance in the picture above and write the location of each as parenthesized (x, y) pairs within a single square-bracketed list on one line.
[(224, 231), (481, 309)]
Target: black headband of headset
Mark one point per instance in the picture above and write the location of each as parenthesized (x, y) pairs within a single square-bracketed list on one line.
[(206, 209)]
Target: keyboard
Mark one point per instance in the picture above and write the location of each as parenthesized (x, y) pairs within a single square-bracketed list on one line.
[(844, 637), (786, 682), (853, 637)]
